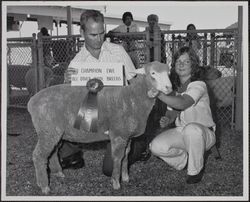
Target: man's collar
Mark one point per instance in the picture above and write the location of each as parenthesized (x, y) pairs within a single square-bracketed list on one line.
[(103, 48)]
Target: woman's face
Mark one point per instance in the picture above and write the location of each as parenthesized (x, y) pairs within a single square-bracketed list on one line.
[(183, 65)]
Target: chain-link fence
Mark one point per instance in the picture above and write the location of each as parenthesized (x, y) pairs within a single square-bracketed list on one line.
[(217, 51), (135, 43), (55, 54), (49, 57), (21, 58)]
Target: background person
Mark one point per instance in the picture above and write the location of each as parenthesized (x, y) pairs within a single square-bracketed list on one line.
[(195, 129), (128, 24), (192, 39), (128, 43)]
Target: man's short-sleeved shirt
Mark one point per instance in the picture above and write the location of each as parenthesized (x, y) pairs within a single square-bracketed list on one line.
[(200, 111), (110, 52), (124, 28)]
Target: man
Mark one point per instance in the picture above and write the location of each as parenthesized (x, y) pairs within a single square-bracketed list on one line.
[(128, 24), (95, 50)]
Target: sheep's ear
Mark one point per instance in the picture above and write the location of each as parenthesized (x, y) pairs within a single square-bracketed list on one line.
[(140, 71)]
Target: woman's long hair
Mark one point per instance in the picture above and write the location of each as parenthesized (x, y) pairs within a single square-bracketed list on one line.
[(197, 72)]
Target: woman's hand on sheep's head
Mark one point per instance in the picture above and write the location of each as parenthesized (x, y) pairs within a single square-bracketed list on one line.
[(68, 73), (152, 93)]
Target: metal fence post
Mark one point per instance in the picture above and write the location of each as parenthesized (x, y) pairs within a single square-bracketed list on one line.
[(205, 50), (147, 47), (41, 81), (212, 51), (239, 76), (34, 60), (157, 44)]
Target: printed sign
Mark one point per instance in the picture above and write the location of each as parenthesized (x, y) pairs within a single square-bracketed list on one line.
[(111, 74)]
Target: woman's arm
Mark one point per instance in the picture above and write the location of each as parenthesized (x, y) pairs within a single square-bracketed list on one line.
[(180, 102)]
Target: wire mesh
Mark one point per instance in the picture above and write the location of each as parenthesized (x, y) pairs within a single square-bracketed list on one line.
[(217, 52), (135, 44), (217, 49), (19, 62), (58, 51)]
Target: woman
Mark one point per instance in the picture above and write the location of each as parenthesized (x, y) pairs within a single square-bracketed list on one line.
[(195, 129)]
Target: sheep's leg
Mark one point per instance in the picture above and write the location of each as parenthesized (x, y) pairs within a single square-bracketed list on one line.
[(125, 176), (44, 147), (55, 166), (118, 146)]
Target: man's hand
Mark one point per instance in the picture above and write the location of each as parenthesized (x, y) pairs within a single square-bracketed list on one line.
[(164, 121), (68, 73)]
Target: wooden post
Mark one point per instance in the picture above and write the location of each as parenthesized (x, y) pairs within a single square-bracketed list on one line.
[(69, 20), (239, 76)]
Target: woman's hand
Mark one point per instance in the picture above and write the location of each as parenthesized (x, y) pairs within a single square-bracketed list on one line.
[(68, 74), (152, 93)]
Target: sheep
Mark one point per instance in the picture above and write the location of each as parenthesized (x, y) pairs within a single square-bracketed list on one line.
[(122, 114)]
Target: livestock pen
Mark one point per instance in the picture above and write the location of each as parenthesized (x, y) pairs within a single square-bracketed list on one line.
[(219, 49)]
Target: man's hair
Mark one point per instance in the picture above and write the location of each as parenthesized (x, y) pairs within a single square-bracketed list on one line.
[(127, 14), (190, 25), (44, 31), (97, 16), (153, 17)]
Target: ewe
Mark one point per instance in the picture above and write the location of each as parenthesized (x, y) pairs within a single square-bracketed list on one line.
[(122, 114)]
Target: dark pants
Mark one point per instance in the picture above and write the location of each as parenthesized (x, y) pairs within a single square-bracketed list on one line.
[(138, 144)]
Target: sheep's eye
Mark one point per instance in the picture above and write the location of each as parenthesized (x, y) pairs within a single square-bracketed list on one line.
[(152, 73)]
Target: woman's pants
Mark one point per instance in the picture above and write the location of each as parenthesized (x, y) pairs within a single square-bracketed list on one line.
[(180, 145)]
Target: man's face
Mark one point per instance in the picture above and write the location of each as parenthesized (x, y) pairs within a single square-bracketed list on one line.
[(93, 34), (152, 22), (128, 20)]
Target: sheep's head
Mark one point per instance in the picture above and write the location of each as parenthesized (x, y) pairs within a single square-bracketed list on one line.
[(158, 76)]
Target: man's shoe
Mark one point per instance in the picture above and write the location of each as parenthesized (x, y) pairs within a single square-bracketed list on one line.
[(192, 179), (74, 161)]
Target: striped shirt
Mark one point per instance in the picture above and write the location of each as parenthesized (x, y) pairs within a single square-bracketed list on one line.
[(110, 52)]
